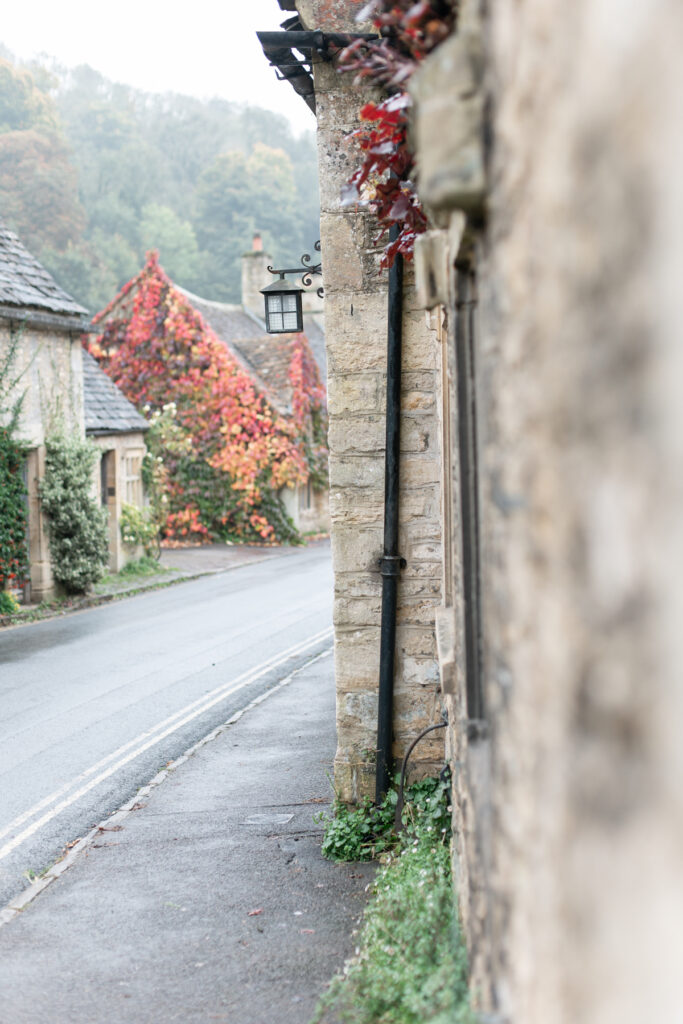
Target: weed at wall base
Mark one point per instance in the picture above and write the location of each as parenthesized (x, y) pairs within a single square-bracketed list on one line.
[(410, 965)]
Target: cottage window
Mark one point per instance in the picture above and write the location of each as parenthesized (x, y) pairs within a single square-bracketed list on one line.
[(132, 477)]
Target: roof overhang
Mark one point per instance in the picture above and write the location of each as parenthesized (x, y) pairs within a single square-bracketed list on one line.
[(279, 49), (46, 320)]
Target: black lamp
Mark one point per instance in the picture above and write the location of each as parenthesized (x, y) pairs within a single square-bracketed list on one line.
[(283, 298), (284, 309)]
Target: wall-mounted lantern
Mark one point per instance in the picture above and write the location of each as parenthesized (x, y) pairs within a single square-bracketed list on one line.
[(284, 299), (284, 309)]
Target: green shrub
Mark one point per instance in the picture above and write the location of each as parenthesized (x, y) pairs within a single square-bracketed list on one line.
[(366, 831), (410, 966), (77, 526), (146, 566), (138, 526), (13, 512), (8, 603)]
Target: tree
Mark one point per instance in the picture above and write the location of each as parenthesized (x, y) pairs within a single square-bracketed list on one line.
[(38, 193), (163, 230)]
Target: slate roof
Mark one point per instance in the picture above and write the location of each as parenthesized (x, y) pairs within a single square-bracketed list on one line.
[(265, 357), (106, 408), (27, 289)]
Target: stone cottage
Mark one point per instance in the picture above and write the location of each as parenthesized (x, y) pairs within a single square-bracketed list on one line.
[(266, 360), (549, 152), (46, 324), (117, 428)]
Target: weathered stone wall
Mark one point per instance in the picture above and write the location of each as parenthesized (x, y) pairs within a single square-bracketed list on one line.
[(49, 373), (570, 860), (356, 338)]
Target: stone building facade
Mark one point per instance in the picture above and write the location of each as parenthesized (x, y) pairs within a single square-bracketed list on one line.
[(43, 325), (549, 494), (549, 151), (356, 340)]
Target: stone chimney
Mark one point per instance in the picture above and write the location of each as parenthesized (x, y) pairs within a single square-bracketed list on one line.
[(255, 276)]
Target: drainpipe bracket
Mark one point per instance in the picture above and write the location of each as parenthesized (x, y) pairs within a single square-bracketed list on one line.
[(391, 565)]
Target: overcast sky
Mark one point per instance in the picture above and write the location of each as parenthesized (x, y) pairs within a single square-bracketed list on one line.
[(200, 47)]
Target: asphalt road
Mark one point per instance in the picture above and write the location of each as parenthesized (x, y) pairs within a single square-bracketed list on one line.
[(94, 704)]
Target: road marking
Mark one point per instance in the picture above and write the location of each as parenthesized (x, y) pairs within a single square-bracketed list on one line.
[(143, 742)]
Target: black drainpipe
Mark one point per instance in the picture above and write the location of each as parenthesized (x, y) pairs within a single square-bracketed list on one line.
[(391, 562)]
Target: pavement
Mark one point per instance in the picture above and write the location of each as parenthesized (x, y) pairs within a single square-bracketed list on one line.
[(206, 899)]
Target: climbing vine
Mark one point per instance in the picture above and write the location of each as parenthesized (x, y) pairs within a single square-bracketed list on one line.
[(13, 512), (384, 181), (224, 450)]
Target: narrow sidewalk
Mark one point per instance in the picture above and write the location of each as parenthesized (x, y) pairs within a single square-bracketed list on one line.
[(210, 902)]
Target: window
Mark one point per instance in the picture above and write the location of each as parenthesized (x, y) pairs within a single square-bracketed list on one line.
[(132, 477)]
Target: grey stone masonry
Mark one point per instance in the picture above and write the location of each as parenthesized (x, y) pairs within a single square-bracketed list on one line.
[(356, 337)]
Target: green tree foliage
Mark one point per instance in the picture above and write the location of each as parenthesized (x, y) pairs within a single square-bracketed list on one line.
[(77, 526), (162, 229), (38, 184), (94, 174)]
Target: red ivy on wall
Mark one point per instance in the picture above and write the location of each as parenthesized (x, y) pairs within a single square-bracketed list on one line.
[(235, 450), (384, 179)]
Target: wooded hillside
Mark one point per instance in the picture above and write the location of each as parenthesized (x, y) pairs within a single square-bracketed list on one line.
[(94, 174)]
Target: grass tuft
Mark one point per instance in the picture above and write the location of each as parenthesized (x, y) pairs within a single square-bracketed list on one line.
[(410, 965)]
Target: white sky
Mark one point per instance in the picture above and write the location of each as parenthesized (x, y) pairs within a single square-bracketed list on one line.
[(199, 47)]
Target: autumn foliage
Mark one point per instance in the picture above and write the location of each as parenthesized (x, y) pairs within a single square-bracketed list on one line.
[(385, 178), (221, 451)]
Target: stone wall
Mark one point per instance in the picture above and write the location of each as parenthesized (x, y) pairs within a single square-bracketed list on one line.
[(356, 338), (569, 855), (49, 373)]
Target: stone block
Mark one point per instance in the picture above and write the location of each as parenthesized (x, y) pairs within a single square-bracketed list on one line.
[(415, 435), (338, 158), (357, 471), (420, 587), (357, 507), (449, 125), (357, 435), (426, 551), (356, 392), (419, 470), (420, 671), (421, 349), (418, 612), (417, 503), (341, 258), (417, 401), (432, 269), (355, 325), (356, 611), (418, 381), (357, 658), (355, 550), (351, 585), (416, 642)]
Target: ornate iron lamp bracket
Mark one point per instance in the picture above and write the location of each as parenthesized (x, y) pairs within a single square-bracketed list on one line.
[(307, 270)]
